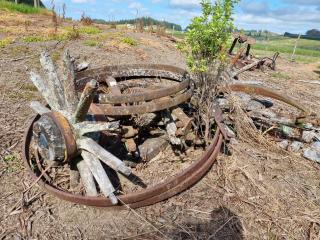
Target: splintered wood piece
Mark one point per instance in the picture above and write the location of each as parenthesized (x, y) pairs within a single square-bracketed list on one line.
[(100, 175), (112, 161), (171, 128), (69, 82), (87, 179), (152, 147), (39, 108), (43, 89), (53, 82), (112, 84), (85, 101), (179, 114), (89, 127)]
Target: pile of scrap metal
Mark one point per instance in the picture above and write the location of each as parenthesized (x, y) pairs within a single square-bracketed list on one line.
[(243, 60), (299, 133), (99, 123)]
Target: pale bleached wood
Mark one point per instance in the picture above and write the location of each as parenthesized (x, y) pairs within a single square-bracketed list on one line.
[(85, 101), (40, 84), (87, 179), (53, 82), (89, 127), (100, 175), (112, 161), (69, 82), (311, 81), (39, 108), (245, 68)]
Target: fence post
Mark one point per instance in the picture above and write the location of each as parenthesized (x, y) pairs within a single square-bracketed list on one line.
[(295, 47)]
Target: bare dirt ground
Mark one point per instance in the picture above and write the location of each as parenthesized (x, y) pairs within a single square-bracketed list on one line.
[(259, 192)]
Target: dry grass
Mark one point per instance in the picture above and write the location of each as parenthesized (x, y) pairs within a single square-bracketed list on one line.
[(273, 192)]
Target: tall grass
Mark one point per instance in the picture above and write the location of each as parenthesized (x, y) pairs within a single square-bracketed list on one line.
[(22, 8)]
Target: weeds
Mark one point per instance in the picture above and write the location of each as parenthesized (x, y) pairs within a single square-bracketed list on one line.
[(85, 20), (129, 41), (31, 39), (10, 158), (91, 43), (90, 30), (12, 163), (5, 42)]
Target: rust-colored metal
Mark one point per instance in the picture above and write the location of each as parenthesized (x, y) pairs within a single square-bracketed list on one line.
[(65, 129), (125, 72), (267, 92), (144, 96), (152, 106), (151, 195)]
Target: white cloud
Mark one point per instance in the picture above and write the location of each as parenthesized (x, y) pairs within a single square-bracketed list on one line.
[(82, 1), (185, 4), (135, 5)]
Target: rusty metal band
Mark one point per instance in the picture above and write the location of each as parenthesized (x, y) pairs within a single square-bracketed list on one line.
[(152, 106), (267, 92), (144, 96), (151, 195), (65, 129), (125, 72)]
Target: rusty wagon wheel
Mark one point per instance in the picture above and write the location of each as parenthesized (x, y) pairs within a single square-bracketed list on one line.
[(68, 132)]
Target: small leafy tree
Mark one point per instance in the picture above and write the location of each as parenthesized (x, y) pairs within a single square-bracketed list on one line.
[(209, 33), (207, 40)]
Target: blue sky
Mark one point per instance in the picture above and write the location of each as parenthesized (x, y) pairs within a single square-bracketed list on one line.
[(296, 16)]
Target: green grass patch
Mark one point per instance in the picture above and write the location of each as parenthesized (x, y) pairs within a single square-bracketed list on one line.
[(31, 39), (280, 75), (91, 43), (22, 8), (5, 42), (89, 30), (70, 35), (129, 41), (10, 158)]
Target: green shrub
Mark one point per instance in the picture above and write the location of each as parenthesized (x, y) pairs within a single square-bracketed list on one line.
[(208, 34), (130, 41)]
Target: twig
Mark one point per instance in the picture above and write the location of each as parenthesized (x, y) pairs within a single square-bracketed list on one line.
[(311, 82), (142, 218), (28, 189)]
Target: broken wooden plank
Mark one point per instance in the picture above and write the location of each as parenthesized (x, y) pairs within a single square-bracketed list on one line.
[(52, 82), (89, 127), (87, 179), (100, 175), (69, 82), (39, 83), (112, 161), (85, 101), (39, 108)]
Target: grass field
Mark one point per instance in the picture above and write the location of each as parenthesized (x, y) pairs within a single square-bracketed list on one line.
[(22, 8), (307, 50)]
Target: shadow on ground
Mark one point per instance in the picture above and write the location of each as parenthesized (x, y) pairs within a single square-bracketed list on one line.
[(223, 224), (317, 72)]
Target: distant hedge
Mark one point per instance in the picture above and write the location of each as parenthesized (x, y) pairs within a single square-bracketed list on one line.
[(291, 35)]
